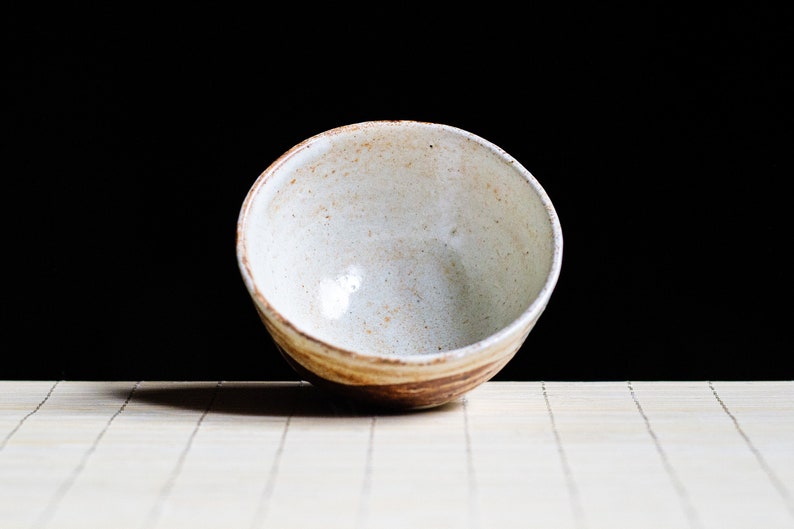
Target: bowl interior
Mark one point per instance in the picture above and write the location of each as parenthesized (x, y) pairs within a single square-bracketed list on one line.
[(397, 238)]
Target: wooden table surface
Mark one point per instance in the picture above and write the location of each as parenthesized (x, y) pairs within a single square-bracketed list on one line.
[(623, 454)]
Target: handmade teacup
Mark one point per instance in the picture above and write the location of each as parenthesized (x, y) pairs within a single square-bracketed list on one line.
[(401, 263)]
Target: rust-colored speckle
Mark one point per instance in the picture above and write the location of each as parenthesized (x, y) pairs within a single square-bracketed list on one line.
[(292, 181)]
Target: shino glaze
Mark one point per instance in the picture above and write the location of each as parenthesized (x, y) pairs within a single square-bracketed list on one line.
[(400, 263)]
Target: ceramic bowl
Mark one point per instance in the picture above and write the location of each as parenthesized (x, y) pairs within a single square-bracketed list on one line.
[(401, 263)]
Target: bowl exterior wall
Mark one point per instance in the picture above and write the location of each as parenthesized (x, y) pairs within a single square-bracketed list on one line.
[(393, 382)]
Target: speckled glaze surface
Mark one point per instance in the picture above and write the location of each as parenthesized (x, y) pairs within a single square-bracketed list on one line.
[(401, 263)]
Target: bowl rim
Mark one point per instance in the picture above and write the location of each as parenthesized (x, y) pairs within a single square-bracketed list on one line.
[(531, 313)]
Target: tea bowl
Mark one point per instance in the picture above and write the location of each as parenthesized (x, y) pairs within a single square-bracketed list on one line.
[(398, 263)]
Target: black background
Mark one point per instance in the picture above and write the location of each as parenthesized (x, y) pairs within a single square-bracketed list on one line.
[(661, 134)]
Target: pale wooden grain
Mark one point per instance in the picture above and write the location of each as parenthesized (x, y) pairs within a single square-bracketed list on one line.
[(622, 454)]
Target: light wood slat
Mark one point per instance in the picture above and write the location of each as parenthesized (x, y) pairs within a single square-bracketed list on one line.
[(40, 463), (616, 477), (519, 476), (718, 471), (579, 455), (765, 415), (21, 400)]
